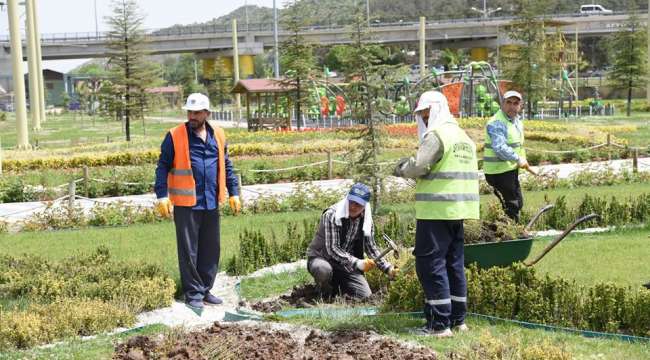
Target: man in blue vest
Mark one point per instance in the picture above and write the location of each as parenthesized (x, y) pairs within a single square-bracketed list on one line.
[(504, 154), (447, 192)]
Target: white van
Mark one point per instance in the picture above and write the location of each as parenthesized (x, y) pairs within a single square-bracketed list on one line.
[(594, 9)]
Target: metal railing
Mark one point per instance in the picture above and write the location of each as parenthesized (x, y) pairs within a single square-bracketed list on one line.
[(268, 27)]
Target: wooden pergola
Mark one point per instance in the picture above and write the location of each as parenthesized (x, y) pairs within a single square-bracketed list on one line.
[(267, 92)]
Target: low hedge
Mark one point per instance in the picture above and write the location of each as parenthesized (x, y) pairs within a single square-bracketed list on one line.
[(517, 292), (40, 324), (80, 295)]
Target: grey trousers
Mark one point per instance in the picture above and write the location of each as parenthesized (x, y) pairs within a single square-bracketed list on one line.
[(332, 278), (198, 245)]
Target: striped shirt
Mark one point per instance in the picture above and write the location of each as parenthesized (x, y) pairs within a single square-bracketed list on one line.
[(328, 244)]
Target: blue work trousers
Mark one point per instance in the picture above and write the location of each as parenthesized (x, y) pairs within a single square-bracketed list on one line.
[(198, 244), (440, 268)]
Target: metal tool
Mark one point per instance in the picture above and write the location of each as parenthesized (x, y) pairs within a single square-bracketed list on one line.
[(391, 247)]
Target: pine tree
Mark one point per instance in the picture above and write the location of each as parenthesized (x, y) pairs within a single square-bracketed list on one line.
[(130, 73), (532, 60), (627, 53), (296, 56), (369, 87)]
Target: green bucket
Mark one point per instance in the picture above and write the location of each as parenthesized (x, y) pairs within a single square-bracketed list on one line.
[(502, 253)]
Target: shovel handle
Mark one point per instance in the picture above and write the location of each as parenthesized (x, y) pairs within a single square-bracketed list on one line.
[(531, 171), (561, 237), (537, 215)]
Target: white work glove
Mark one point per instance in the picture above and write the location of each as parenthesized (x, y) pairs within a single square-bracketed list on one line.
[(365, 265), (522, 163)]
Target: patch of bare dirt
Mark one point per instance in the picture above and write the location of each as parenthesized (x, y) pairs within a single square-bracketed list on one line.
[(306, 296), (235, 341)]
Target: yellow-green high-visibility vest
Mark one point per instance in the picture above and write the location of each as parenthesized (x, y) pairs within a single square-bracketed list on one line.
[(491, 162), (450, 190)]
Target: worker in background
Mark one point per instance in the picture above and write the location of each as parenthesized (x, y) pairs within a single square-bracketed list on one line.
[(447, 192), (504, 154), (191, 179), (335, 257)]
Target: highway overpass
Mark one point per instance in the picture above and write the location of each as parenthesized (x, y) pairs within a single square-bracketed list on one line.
[(196, 39)]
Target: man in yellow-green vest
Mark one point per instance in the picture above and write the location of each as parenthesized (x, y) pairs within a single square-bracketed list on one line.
[(447, 192), (504, 154)]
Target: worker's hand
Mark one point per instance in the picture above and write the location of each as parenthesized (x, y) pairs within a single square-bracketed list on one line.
[(523, 163), (365, 265), (164, 207), (235, 205), (398, 168), (393, 273)]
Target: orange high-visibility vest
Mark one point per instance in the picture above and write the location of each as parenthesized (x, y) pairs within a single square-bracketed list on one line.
[(180, 181)]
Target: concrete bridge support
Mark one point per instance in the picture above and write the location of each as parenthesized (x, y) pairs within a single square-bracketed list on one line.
[(22, 141)]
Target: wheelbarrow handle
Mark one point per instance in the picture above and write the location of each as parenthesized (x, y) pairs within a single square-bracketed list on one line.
[(537, 215), (561, 237)]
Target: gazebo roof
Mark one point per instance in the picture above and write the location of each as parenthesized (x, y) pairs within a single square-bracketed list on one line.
[(258, 86)]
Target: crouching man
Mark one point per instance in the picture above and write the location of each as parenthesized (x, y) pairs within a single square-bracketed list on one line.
[(335, 257)]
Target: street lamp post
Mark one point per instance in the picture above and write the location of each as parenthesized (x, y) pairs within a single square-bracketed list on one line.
[(368, 12), (276, 52), (22, 141), (485, 12)]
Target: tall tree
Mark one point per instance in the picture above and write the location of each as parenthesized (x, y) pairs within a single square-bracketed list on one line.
[(628, 57), (296, 56), (369, 86), (219, 86), (533, 57), (129, 71)]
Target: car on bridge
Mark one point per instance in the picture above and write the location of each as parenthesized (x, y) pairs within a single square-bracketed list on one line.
[(594, 9)]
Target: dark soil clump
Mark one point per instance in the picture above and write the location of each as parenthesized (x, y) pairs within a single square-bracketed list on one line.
[(247, 342), (306, 296)]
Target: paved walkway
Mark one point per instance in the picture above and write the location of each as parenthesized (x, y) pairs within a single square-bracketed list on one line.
[(14, 212)]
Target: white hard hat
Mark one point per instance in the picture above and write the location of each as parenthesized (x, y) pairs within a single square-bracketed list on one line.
[(197, 102), (512, 93), (427, 99)]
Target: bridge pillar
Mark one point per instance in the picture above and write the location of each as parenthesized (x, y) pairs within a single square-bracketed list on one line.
[(246, 66), (22, 141), (225, 64), (478, 54), (6, 80)]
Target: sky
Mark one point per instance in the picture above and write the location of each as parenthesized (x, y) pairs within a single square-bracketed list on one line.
[(60, 16)]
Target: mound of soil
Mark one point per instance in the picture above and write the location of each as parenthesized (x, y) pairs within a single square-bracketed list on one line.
[(305, 296), (235, 341)]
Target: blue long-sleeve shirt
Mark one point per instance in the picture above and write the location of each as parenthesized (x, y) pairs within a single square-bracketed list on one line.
[(498, 133), (203, 157)]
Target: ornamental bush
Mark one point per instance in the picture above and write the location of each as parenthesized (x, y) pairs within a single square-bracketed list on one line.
[(81, 295), (517, 292)]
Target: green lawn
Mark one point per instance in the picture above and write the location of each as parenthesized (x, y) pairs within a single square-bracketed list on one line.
[(400, 327), (621, 257), (99, 347), (153, 243)]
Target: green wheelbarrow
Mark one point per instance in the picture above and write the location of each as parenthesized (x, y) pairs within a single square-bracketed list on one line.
[(505, 253)]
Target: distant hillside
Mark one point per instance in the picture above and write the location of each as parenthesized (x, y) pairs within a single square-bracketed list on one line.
[(325, 12)]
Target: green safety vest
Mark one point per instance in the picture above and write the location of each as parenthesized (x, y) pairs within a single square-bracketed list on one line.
[(491, 162), (450, 190)]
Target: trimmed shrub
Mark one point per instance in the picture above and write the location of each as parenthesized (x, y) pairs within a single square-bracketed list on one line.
[(517, 292)]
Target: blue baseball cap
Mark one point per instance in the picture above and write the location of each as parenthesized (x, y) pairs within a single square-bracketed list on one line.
[(359, 193)]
